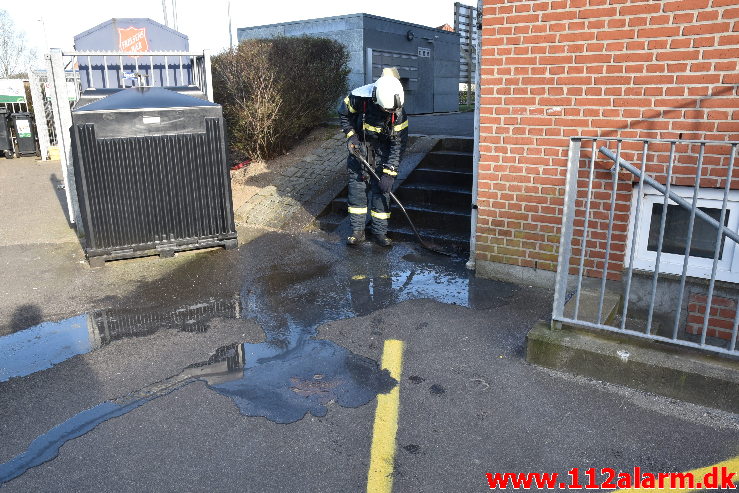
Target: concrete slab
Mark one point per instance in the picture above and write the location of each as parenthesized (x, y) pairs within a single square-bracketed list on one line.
[(652, 367), (33, 209)]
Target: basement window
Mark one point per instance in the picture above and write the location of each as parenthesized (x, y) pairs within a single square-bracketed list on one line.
[(677, 222)]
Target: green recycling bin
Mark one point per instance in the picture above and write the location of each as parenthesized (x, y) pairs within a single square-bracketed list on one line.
[(25, 136)]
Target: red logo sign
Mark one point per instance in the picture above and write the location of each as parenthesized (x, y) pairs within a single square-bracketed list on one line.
[(133, 39)]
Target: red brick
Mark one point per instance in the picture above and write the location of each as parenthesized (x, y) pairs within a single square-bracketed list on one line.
[(659, 32), (713, 28), (608, 12), (633, 57), (522, 18), (707, 16), (555, 60), (581, 36), (684, 18), (732, 39), (640, 9), (595, 59), (554, 15), (667, 56), (684, 5), (679, 43), (618, 34), (731, 14), (706, 78), (704, 41), (660, 20), (657, 44), (732, 127), (720, 53)]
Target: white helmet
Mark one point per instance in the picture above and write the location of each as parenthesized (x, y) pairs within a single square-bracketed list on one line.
[(388, 93)]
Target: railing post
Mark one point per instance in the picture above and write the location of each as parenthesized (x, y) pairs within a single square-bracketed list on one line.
[(39, 114), (565, 239), (63, 122), (208, 76)]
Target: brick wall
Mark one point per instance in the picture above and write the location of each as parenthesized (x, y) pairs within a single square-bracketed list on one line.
[(720, 320), (552, 70)]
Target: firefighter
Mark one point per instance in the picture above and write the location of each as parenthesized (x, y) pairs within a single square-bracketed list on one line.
[(376, 126)]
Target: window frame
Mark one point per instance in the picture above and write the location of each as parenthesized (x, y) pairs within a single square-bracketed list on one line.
[(727, 268)]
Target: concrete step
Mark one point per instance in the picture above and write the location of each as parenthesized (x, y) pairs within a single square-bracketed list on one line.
[(589, 303), (448, 220), (650, 366), (339, 205), (329, 222), (460, 144), (430, 176), (442, 195), (449, 160), (444, 239)]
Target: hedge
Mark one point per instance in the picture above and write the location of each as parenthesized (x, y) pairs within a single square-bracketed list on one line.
[(273, 91)]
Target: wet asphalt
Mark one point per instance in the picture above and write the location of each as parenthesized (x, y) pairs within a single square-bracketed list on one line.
[(257, 369)]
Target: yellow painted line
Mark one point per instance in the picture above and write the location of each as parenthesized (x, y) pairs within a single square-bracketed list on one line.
[(731, 465), (382, 453)]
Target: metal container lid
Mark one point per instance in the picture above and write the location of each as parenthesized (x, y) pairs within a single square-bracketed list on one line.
[(142, 98)]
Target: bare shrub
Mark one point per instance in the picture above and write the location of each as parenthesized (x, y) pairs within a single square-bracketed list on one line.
[(274, 91)]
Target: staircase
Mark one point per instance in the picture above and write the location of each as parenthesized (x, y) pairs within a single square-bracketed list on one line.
[(437, 195)]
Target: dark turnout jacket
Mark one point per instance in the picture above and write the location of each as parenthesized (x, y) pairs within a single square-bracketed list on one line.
[(386, 133)]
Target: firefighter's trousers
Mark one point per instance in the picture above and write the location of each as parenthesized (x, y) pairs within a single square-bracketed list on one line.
[(364, 190)]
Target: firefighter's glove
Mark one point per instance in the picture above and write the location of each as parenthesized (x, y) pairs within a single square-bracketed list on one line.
[(354, 144), (386, 183)]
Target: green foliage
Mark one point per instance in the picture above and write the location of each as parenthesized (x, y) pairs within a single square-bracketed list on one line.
[(273, 91)]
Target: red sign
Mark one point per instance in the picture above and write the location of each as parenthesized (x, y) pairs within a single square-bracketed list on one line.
[(133, 39)]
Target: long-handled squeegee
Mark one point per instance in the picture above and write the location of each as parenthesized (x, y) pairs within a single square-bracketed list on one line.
[(425, 244)]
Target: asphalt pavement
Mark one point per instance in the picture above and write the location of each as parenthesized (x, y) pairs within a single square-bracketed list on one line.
[(260, 369)]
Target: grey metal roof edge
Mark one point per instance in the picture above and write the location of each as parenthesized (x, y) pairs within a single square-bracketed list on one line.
[(134, 110), (112, 19), (347, 16)]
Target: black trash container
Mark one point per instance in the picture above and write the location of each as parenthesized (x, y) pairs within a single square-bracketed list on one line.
[(6, 141), (25, 136), (151, 174)]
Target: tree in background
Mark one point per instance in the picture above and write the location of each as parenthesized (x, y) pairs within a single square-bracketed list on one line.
[(15, 54), (273, 91)]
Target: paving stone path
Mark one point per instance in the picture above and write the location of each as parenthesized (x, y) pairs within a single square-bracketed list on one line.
[(300, 191)]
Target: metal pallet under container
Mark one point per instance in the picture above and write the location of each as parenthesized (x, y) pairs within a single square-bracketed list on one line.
[(151, 174)]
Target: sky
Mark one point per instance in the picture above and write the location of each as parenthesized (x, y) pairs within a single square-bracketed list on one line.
[(54, 23)]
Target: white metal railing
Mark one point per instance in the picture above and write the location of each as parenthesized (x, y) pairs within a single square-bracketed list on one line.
[(113, 70), (593, 260), (119, 69)]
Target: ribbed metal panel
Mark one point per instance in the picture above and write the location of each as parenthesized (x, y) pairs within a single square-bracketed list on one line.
[(161, 191)]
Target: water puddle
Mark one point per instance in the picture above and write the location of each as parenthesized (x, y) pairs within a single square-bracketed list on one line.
[(284, 385), (266, 380), (49, 343), (282, 379)]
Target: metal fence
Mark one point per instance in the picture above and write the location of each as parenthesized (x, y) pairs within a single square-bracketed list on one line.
[(71, 73), (649, 240)]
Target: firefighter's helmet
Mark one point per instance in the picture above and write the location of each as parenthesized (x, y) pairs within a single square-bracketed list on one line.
[(388, 93)]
